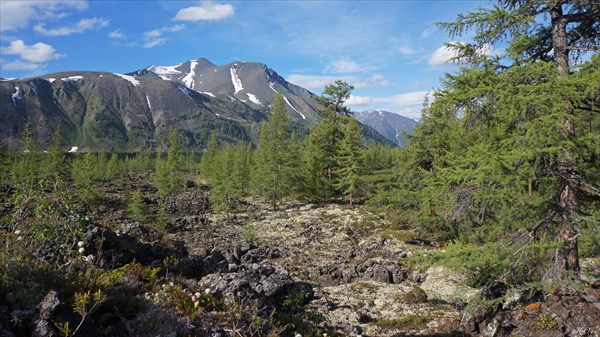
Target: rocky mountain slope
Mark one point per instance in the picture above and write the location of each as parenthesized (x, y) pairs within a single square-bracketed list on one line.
[(136, 111), (252, 83), (392, 126), (300, 269)]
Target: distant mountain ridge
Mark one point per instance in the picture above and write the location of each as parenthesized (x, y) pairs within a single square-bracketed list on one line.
[(390, 125), (133, 111), (252, 83)]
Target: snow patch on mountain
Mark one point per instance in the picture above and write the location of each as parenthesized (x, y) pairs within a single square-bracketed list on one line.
[(129, 78), (253, 99), (272, 86), (291, 106), (184, 90), (237, 83), (188, 80), (148, 100), (16, 96), (71, 78), (51, 79), (164, 71), (207, 93), (33, 87)]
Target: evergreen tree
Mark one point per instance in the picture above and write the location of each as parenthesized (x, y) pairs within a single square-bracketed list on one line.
[(84, 174), (271, 174), (167, 175), (572, 26), (55, 166), (350, 160), (207, 161), (323, 143), (112, 167)]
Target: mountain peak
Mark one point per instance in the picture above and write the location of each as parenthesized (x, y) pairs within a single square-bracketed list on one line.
[(392, 126)]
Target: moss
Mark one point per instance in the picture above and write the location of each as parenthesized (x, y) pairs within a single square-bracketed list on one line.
[(414, 321), (414, 296)]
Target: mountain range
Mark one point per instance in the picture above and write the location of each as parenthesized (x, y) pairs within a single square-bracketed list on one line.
[(390, 125), (133, 111)]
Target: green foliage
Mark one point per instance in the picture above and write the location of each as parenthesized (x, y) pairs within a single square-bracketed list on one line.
[(85, 171), (168, 176), (231, 178), (136, 207), (207, 162), (276, 158), (350, 160)]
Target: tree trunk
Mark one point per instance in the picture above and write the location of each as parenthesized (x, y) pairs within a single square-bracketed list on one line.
[(567, 257)]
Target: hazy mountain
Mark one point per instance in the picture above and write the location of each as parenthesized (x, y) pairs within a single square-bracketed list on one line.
[(392, 126)]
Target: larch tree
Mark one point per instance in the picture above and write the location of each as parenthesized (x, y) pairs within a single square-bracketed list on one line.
[(557, 31)]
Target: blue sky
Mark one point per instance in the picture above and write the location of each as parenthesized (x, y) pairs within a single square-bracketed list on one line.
[(390, 51)]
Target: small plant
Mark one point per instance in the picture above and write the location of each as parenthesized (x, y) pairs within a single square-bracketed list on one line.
[(85, 304), (249, 233), (137, 207)]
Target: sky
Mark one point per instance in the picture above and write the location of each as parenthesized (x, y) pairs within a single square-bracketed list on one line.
[(390, 51)]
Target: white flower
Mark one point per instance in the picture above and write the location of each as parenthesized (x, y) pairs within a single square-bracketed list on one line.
[(81, 250), (80, 244), (197, 294), (298, 335), (18, 232), (20, 238), (207, 291), (172, 284)]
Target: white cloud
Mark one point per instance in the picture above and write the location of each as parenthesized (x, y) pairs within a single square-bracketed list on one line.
[(206, 11), (317, 81), (20, 65), (80, 27), (117, 35), (406, 50), (358, 100), (173, 29), (155, 37), (403, 100), (445, 55), (379, 80), (344, 65), (442, 55), (36, 53), (17, 14)]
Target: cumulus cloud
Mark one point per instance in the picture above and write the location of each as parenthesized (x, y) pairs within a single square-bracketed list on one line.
[(406, 99), (80, 27), (36, 53), (117, 35), (20, 65), (17, 14), (442, 55), (344, 65), (318, 81), (207, 10), (445, 55), (156, 38), (358, 100)]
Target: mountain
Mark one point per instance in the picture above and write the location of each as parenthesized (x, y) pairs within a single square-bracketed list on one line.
[(392, 126), (255, 84), (129, 112)]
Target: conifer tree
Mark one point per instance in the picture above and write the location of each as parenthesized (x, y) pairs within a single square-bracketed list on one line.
[(271, 174), (84, 174), (350, 160), (207, 161), (572, 29)]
